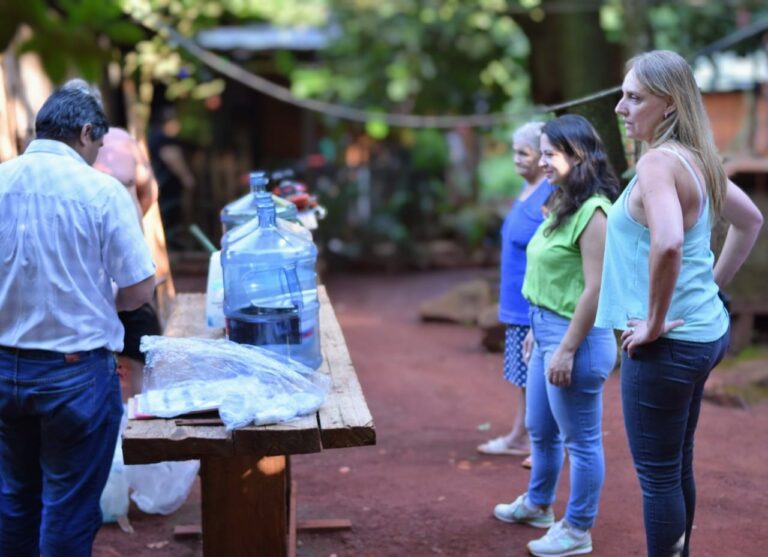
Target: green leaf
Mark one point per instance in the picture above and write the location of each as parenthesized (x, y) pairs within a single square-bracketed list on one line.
[(285, 61), (124, 32), (377, 129)]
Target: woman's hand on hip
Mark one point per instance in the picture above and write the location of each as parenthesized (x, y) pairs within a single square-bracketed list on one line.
[(560, 367), (638, 334)]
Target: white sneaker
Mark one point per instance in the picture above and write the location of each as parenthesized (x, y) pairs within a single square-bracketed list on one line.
[(521, 512), (560, 541)]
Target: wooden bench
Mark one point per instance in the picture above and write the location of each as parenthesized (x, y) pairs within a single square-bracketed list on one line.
[(248, 508)]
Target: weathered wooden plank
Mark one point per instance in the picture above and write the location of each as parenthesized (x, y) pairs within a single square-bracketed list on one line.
[(344, 418), (245, 506), (292, 521), (324, 524), (146, 441), (188, 532), (188, 318), (299, 436)]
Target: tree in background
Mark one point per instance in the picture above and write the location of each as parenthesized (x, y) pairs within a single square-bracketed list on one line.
[(404, 56)]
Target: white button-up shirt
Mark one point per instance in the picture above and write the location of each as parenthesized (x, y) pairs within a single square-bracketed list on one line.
[(67, 231)]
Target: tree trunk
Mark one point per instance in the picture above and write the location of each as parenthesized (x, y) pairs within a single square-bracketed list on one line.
[(571, 58)]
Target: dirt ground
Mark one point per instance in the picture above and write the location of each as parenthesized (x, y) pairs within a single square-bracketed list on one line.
[(423, 490)]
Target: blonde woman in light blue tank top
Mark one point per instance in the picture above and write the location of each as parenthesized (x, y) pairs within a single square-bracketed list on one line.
[(660, 284)]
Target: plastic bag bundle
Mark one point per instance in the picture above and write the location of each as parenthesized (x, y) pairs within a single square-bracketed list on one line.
[(161, 487), (114, 499), (248, 384)]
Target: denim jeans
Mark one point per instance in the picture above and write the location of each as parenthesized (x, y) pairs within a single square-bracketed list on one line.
[(59, 422), (567, 416), (661, 390)]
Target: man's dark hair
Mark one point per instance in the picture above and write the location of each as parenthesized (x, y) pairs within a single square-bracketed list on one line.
[(66, 111)]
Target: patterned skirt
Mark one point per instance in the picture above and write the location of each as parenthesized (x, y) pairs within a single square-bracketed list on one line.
[(515, 370)]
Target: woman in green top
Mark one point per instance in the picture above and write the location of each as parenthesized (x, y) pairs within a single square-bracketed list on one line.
[(570, 357)]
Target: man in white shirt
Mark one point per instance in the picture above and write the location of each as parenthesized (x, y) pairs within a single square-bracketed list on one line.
[(67, 234)]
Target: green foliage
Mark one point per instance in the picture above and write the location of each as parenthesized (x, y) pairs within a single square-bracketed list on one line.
[(685, 29), (423, 56), (70, 35), (377, 129), (471, 224), (684, 26), (498, 178), (81, 36), (429, 152)]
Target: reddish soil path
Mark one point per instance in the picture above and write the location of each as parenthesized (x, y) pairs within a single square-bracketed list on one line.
[(424, 491)]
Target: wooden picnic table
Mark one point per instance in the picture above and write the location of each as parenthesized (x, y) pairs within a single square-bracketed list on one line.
[(248, 502)]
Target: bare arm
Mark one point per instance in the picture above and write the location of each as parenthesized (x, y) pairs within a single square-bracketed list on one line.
[(134, 196), (744, 221), (664, 214), (592, 246), (146, 185), (173, 156), (134, 296)]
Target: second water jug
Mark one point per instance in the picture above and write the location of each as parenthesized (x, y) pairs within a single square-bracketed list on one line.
[(270, 289)]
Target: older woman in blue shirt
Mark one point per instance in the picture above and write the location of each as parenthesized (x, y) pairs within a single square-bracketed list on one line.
[(519, 226)]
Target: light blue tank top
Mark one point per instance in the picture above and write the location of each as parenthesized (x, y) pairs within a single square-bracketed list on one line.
[(624, 289)]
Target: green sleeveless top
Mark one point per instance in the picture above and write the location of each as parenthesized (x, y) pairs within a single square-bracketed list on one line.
[(554, 278)]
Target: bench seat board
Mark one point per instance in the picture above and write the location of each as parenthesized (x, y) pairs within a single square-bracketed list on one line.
[(344, 418)]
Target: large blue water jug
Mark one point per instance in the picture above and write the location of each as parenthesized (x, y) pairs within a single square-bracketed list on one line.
[(270, 289), (239, 218)]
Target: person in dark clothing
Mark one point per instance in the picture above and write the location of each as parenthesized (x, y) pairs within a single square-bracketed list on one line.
[(171, 170)]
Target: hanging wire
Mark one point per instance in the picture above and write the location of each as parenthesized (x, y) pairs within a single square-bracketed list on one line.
[(241, 75)]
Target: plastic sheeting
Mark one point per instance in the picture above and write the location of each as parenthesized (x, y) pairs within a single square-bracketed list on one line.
[(247, 384)]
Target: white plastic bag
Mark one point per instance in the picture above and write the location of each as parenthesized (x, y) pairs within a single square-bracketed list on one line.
[(114, 499), (248, 384), (161, 488)]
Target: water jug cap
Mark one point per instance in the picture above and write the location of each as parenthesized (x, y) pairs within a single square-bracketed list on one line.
[(258, 181), (266, 210)]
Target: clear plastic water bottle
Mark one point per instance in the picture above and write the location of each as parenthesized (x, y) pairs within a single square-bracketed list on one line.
[(270, 289), (239, 218)]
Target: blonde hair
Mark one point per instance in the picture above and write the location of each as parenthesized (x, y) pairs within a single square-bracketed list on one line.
[(666, 74)]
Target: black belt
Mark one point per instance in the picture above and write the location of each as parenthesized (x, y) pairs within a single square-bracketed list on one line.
[(36, 354)]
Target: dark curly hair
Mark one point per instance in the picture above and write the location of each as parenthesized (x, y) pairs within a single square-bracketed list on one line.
[(591, 172)]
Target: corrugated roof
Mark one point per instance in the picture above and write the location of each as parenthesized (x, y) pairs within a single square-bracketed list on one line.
[(266, 37)]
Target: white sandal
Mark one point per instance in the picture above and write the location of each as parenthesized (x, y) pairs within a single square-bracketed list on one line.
[(498, 446)]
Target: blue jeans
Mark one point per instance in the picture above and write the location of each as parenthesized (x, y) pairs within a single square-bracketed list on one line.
[(661, 390), (567, 416), (59, 421)]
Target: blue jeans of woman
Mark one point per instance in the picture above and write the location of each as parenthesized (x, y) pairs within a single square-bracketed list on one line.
[(570, 417), (59, 421), (661, 390)]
